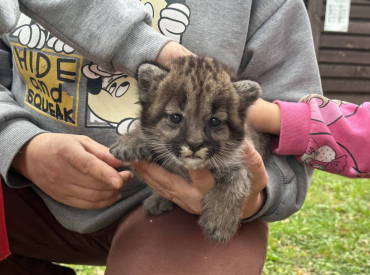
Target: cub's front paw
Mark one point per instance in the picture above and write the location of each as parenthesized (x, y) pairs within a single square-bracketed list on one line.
[(156, 204), (127, 154), (218, 228)]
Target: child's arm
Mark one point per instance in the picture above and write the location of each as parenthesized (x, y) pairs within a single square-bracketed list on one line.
[(324, 134), (265, 116)]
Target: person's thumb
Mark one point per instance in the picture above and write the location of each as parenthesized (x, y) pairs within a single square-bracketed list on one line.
[(253, 161)]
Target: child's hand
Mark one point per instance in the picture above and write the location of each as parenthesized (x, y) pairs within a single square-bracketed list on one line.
[(265, 116)]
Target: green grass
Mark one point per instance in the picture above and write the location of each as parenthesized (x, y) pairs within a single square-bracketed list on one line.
[(88, 270), (330, 235)]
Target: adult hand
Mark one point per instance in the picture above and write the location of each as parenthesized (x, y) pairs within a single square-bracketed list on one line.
[(189, 196), (255, 201), (74, 170), (168, 185), (171, 51)]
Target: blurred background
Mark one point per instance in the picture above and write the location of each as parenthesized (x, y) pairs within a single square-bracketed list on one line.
[(343, 57)]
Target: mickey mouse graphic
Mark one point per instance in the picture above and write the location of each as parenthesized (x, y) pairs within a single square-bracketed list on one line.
[(112, 98), (34, 36), (170, 17)]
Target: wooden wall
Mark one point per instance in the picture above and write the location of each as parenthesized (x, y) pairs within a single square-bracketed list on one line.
[(344, 58)]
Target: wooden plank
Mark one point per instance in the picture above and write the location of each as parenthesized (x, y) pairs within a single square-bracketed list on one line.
[(359, 27), (345, 85), (344, 57), (355, 27), (362, 2), (360, 12), (344, 71), (356, 98), (315, 8), (342, 41), (357, 12)]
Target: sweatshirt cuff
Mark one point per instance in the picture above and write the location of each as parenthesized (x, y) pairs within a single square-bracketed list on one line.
[(143, 44), (13, 135), (295, 129)]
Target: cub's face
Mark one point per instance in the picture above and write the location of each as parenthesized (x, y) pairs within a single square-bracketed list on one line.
[(196, 133), (192, 112)]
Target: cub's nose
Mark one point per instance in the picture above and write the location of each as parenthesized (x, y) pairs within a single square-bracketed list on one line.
[(195, 146)]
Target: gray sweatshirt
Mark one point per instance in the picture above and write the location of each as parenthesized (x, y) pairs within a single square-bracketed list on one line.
[(70, 68)]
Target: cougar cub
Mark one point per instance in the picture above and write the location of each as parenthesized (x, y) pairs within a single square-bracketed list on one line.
[(194, 115)]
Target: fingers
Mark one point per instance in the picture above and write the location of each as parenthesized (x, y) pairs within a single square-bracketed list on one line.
[(157, 178), (100, 151), (88, 181), (82, 197), (170, 185), (84, 191), (253, 160), (89, 164), (202, 180)]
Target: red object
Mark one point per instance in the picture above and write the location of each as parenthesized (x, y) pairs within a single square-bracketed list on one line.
[(4, 245)]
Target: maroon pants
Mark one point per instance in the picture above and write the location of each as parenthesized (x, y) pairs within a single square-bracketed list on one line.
[(169, 244)]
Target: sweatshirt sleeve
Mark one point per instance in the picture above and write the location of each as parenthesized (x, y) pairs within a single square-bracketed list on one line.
[(328, 135), (280, 55), (115, 34), (17, 126), (9, 14)]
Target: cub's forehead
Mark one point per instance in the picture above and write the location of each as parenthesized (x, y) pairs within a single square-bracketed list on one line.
[(200, 67), (198, 81), (201, 105), (214, 84)]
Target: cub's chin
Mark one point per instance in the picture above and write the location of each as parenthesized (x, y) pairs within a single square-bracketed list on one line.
[(193, 163)]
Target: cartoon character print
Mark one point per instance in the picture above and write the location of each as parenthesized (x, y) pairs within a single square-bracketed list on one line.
[(323, 99), (359, 174), (170, 17), (50, 71), (33, 36), (323, 158), (329, 115), (112, 98)]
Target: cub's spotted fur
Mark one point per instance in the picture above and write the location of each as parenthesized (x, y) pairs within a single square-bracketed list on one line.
[(194, 115)]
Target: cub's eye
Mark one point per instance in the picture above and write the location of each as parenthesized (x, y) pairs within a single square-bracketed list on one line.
[(214, 122), (176, 118)]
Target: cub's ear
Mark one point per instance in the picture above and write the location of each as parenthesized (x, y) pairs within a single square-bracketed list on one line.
[(249, 91), (148, 76)]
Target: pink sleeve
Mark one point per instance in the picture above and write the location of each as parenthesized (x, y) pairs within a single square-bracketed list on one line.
[(325, 134)]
